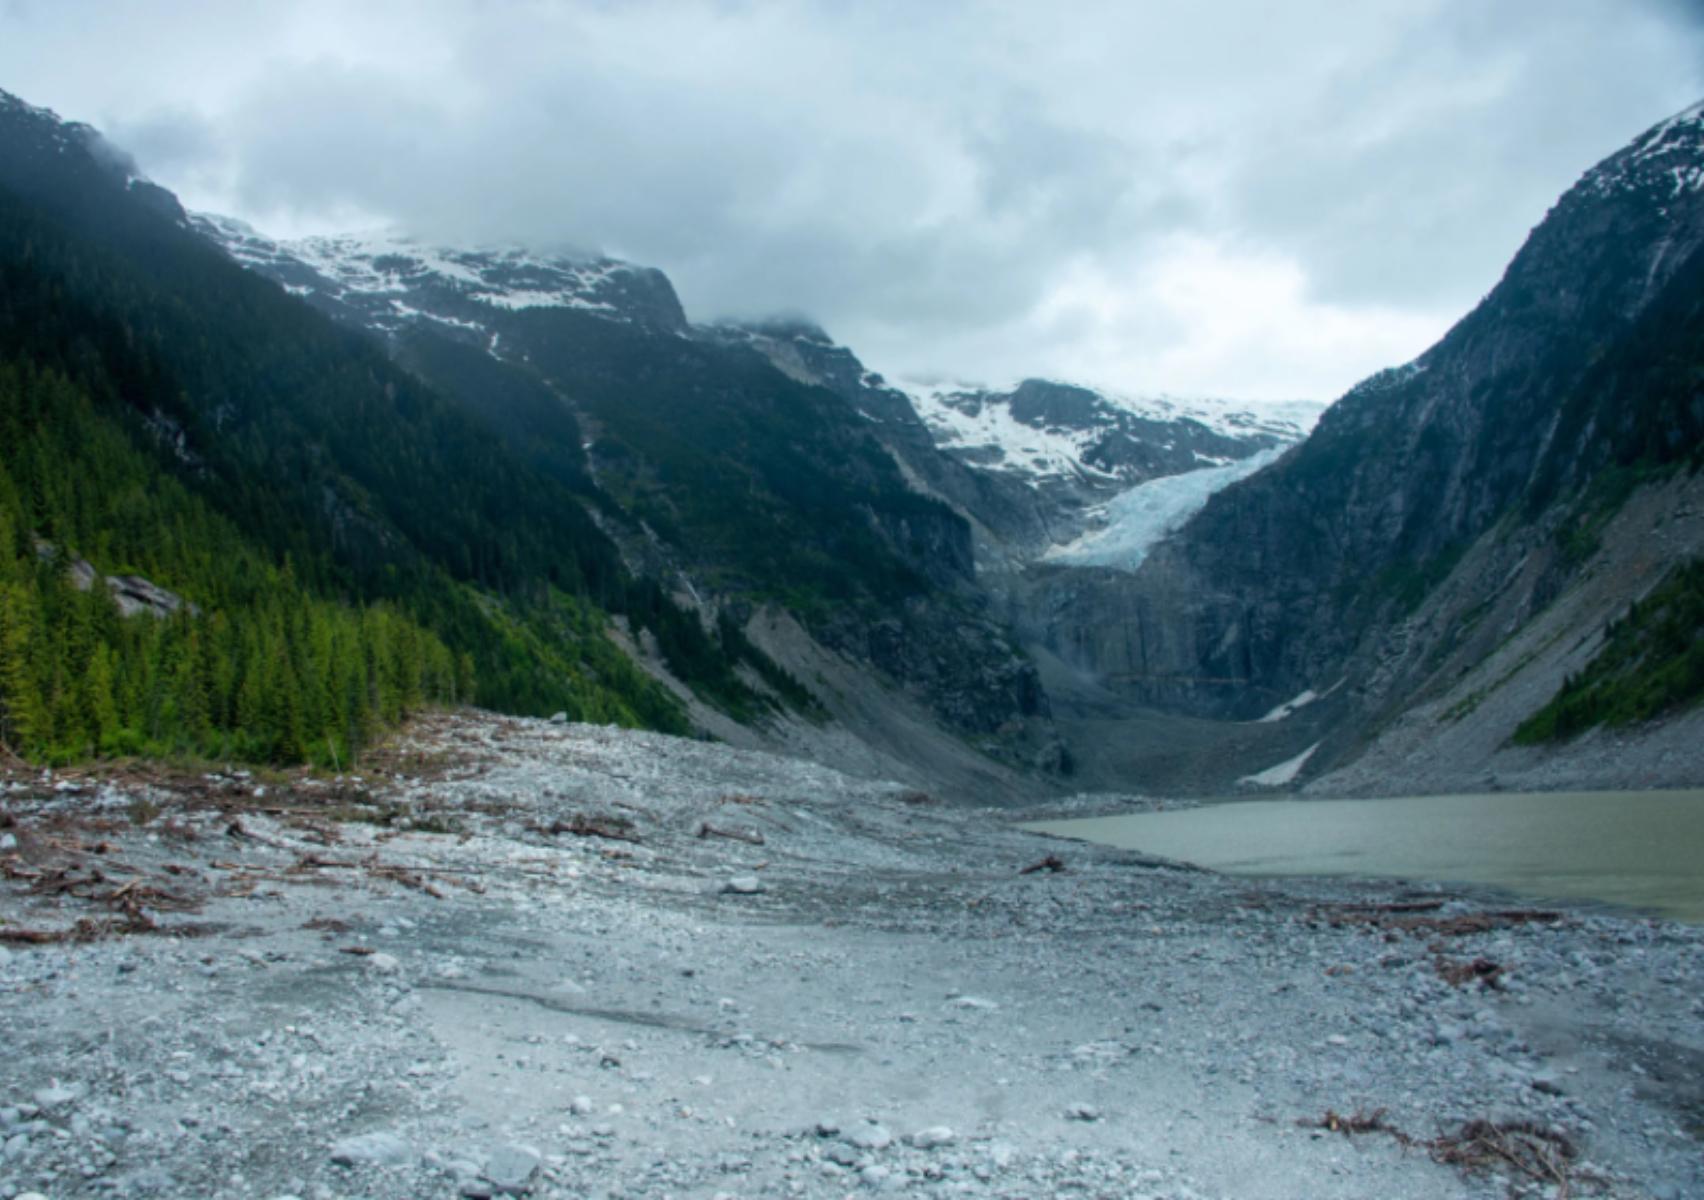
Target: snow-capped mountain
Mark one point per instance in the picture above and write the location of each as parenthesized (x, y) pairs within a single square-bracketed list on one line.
[(1044, 467), (1665, 162), (1043, 429), (385, 280)]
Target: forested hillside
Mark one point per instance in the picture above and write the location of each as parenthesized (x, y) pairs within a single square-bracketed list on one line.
[(352, 542)]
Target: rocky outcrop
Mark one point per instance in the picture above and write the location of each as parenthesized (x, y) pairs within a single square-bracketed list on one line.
[(132, 594), (1474, 465)]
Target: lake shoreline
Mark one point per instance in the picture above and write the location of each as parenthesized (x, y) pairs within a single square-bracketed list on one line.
[(1635, 852)]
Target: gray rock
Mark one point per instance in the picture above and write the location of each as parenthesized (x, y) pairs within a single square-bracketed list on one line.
[(743, 885), (869, 1136), (559, 718), (384, 964), (149, 1181), (929, 1139), (378, 1148), (1082, 1112), (512, 1169), (8, 841), (58, 1095)]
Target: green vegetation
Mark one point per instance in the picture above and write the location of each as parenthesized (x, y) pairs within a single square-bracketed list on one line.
[(1651, 663), (259, 669)]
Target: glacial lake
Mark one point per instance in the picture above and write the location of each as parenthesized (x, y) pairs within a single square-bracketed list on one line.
[(1643, 850)]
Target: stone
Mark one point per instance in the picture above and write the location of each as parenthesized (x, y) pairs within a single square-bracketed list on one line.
[(378, 1148), (58, 1095), (972, 1002), (384, 964), (743, 885), (512, 1169), (869, 1136), (559, 718), (580, 1106), (8, 841), (929, 1139), (1082, 1112)]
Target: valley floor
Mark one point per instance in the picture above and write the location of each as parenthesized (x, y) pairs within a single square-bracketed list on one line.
[(558, 960)]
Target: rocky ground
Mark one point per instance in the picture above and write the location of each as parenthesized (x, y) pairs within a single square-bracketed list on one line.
[(516, 958)]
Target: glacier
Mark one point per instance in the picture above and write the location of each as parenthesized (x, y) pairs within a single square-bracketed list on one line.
[(1137, 520)]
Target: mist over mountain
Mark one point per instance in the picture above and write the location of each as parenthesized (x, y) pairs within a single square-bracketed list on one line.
[(961, 583)]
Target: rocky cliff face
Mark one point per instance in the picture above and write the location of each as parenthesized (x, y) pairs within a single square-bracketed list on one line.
[(1471, 466)]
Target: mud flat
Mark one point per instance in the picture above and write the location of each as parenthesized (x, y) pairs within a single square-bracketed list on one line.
[(517, 958)]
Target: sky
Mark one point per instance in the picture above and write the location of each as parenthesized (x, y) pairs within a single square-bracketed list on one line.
[(1240, 198)]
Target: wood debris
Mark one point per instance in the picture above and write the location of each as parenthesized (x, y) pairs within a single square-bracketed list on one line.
[(749, 836)]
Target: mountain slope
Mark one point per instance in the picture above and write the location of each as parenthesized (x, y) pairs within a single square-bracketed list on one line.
[(313, 444), (748, 492), (1440, 507)]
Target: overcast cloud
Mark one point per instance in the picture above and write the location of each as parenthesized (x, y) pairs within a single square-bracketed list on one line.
[(1239, 198)]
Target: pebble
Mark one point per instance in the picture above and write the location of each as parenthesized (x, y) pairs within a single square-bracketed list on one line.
[(929, 1139), (8, 841), (384, 964), (379, 1148), (743, 885), (1082, 1112)]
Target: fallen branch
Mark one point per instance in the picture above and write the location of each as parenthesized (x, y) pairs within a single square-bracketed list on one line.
[(1360, 1122), (1524, 1147), (1395, 918), (1519, 1148), (749, 836), (615, 829), (1052, 863)]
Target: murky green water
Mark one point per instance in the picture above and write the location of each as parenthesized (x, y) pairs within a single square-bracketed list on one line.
[(1642, 849)]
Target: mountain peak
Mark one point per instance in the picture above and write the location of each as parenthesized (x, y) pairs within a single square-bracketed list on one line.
[(393, 278), (1665, 162)]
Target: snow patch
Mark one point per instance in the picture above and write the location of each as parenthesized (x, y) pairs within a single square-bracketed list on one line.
[(1282, 773), (1301, 700), (1289, 707)]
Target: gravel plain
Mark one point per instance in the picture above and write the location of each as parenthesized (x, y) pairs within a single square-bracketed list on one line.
[(522, 958)]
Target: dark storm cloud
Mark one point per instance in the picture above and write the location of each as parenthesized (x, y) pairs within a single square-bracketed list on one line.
[(1242, 197)]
